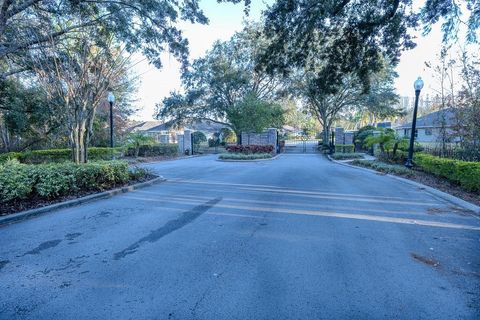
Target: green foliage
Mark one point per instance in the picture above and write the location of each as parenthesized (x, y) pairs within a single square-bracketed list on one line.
[(137, 139), (344, 156), (389, 144), (242, 156), (353, 35), (344, 148), (464, 173), (16, 181), (26, 112), (53, 180), (384, 167), (217, 83), (162, 149), (138, 173), (4, 157), (48, 181), (62, 155), (228, 136), (145, 26), (255, 115), (362, 134), (199, 137)]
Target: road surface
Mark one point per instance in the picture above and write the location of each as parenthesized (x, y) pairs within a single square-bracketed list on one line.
[(294, 238)]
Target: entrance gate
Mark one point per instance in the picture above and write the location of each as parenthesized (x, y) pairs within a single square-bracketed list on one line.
[(303, 145)]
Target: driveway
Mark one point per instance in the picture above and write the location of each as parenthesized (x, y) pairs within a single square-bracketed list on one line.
[(294, 238)]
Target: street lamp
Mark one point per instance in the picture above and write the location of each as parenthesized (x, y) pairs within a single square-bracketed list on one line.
[(111, 100), (418, 85)]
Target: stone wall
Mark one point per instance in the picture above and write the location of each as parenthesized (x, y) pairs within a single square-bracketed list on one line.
[(343, 137), (184, 142), (269, 137)]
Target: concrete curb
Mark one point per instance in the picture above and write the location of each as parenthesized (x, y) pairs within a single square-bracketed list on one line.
[(435, 192), (164, 160), (24, 215), (257, 160)]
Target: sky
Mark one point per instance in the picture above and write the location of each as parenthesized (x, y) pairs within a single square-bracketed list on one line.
[(225, 20)]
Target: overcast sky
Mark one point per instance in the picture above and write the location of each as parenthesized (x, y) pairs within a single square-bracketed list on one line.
[(225, 20)]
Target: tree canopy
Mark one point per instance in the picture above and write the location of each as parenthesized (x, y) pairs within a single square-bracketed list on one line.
[(352, 36), (223, 78), (148, 26)]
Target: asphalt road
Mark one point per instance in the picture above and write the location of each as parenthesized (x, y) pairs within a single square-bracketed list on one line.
[(294, 238)]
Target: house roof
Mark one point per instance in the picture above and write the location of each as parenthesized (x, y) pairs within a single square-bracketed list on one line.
[(205, 125), (434, 120), (152, 126)]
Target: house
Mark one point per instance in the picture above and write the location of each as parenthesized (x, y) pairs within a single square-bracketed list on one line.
[(433, 127), (163, 132), (160, 131)]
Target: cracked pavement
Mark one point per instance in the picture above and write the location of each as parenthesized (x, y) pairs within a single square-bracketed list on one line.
[(298, 237)]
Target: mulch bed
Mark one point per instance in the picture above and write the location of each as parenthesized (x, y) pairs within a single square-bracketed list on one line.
[(37, 202), (443, 185)]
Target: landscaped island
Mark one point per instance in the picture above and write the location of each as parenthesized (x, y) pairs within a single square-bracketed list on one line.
[(248, 152), (27, 186), (37, 178)]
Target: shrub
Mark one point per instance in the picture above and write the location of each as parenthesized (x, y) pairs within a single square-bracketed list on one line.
[(4, 157), (342, 156), (242, 156), (384, 167), (16, 181), (163, 149), (249, 149), (364, 132), (464, 173), (344, 148), (64, 155), (101, 175), (53, 180), (137, 173)]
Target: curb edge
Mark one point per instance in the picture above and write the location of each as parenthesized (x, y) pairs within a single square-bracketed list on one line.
[(24, 215)]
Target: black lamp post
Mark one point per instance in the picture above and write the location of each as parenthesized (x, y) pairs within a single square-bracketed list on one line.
[(418, 85), (111, 100)]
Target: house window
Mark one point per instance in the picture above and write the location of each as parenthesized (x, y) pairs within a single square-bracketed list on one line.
[(428, 132), (405, 132), (416, 133)]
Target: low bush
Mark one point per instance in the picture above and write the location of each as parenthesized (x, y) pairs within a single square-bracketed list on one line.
[(16, 181), (464, 173), (344, 148), (242, 156), (384, 167), (250, 149), (155, 150), (61, 155), (4, 157), (19, 181), (344, 156)]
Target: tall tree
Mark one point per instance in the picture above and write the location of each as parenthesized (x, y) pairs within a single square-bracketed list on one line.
[(327, 102), (353, 36), (216, 83), (76, 76), (147, 26)]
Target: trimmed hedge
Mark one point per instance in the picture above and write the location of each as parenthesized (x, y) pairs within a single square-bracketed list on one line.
[(345, 148), (343, 156), (19, 181), (162, 149), (60, 155), (242, 156), (249, 149), (464, 173), (4, 157)]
